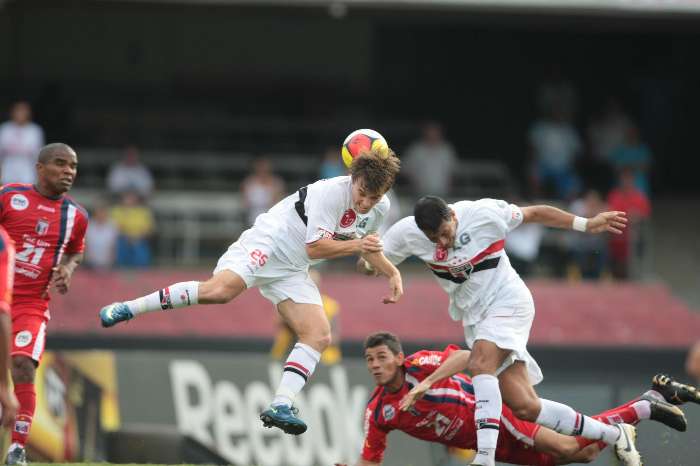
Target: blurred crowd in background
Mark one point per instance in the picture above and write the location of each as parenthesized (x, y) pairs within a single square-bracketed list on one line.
[(583, 166)]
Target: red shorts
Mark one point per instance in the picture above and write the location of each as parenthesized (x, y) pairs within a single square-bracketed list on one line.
[(29, 336), (516, 442)]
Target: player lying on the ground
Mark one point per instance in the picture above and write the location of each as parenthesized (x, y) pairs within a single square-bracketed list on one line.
[(463, 245), (330, 218), (444, 413)]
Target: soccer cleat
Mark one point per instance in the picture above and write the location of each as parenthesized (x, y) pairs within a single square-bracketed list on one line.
[(625, 448), (17, 456), (284, 417), (666, 413), (115, 313), (674, 392)]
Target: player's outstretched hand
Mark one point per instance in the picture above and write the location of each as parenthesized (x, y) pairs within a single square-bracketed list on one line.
[(414, 395), (8, 407), (396, 286), (612, 222), (60, 278), (371, 243)]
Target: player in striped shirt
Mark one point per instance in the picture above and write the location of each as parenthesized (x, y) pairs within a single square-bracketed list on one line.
[(425, 396), (48, 229), (463, 245)]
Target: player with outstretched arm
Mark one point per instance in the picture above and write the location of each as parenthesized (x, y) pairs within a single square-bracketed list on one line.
[(463, 245), (330, 218)]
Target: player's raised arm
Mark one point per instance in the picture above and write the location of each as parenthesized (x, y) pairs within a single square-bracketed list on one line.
[(612, 222), (455, 363)]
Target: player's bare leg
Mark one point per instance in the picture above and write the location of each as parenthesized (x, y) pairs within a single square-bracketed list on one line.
[(219, 289), (563, 448), (23, 374), (484, 361), (521, 397), (309, 323)]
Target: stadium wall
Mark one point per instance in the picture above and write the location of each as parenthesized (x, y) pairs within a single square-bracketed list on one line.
[(215, 397)]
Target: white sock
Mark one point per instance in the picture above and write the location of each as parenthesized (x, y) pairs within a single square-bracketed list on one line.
[(487, 417), (172, 297), (563, 419), (299, 366)]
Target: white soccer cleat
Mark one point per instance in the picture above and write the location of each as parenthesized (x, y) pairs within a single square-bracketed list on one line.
[(625, 448)]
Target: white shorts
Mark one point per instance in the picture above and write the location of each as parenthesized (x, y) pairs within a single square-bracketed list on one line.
[(253, 258), (509, 328)]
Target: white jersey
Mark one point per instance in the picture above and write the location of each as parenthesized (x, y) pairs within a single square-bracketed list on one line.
[(320, 210), (476, 272)]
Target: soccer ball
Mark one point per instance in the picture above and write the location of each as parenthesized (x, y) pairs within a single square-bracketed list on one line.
[(363, 140)]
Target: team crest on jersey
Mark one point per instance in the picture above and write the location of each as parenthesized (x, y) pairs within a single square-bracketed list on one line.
[(440, 253), (42, 227), (19, 202), (23, 338), (389, 412), (348, 218)]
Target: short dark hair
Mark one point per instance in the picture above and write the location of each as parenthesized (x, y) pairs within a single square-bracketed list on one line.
[(429, 213), (377, 171), (49, 151), (384, 338)]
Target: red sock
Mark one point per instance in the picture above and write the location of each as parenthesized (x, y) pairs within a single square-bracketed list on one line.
[(622, 414), (26, 395)]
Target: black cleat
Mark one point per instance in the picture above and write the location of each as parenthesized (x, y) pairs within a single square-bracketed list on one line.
[(674, 392), (666, 413)]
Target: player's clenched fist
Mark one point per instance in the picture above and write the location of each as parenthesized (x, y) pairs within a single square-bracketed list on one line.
[(371, 244)]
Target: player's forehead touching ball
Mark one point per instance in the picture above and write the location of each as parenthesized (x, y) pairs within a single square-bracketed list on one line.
[(372, 176)]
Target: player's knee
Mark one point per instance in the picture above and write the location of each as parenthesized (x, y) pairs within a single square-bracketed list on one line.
[(478, 365), (323, 341), (216, 292), (23, 369), (527, 409)]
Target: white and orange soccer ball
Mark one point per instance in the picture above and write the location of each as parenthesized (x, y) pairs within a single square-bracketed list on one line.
[(363, 140)]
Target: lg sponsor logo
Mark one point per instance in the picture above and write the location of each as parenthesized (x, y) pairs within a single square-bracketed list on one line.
[(225, 416)]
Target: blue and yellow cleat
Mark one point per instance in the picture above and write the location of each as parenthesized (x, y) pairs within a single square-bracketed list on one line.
[(284, 417), (115, 313)]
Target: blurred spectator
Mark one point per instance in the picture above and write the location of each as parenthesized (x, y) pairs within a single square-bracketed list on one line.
[(627, 198), (332, 164), (101, 240), (589, 252), (692, 363), (130, 175), (136, 224), (430, 162), (261, 189), (557, 94), (555, 145), (635, 155), (20, 142), (608, 130), (284, 340)]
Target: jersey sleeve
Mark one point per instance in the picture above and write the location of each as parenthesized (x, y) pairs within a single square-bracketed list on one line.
[(323, 211), (76, 244), (396, 245), (424, 363), (375, 439), (492, 220)]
